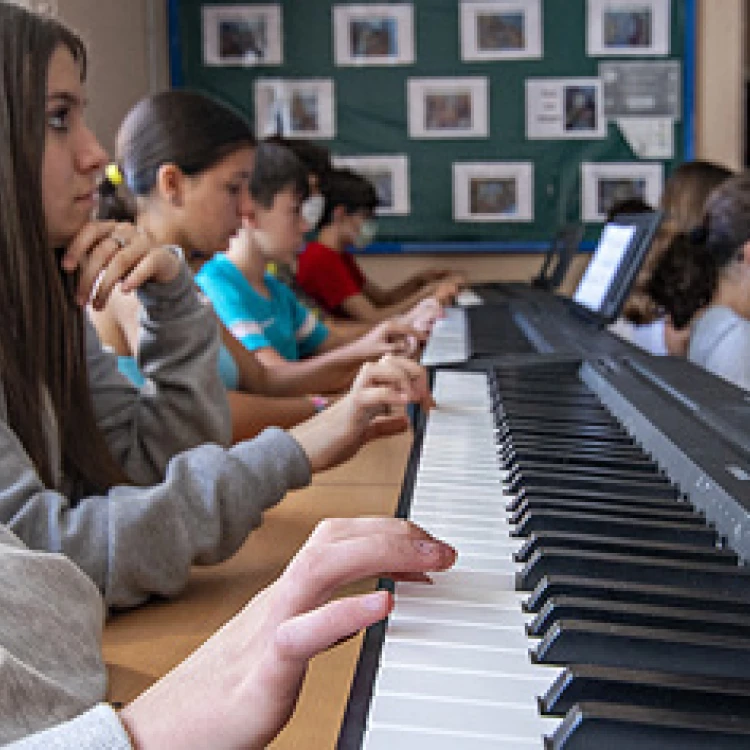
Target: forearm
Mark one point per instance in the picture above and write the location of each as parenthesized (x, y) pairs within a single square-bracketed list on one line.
[(251, 414), (329, 372)]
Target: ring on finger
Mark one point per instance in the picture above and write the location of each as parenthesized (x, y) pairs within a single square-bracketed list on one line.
[(119, 241)]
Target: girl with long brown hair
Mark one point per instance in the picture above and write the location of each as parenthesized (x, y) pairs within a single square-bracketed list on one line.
[(89, 465)]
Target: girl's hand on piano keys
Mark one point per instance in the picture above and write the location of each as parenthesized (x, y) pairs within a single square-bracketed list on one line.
[(240, 688), (374, 407)]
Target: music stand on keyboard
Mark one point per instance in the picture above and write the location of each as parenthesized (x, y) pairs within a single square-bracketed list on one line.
[(606, 283), (559, 257)]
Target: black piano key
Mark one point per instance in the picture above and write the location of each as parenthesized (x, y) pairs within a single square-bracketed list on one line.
[(553, 417), (562, 540), (625, 528), (661, 690), (673, 512), (572, 459), (540, 432), (637, 593), (541, 481), (571, 494), (547, 562), (641, 615), (632, 647), (620, 473), (570, 445), (604, 726)]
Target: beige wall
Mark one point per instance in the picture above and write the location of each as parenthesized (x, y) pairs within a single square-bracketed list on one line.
[(127, 41), (720, 84)]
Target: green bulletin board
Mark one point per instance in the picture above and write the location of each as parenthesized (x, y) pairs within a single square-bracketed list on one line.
[(371, 112)]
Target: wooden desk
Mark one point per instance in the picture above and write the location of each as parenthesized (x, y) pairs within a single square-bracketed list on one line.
[(142, 645)]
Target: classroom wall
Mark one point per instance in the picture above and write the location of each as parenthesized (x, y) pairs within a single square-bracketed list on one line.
[(129, 47), (127, 41)]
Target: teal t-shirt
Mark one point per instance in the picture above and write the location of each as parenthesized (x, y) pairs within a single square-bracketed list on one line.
[(279, 321), (228, 370)]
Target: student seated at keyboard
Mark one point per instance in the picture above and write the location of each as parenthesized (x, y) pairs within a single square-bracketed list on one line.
[(236, 691), (702, 282), (187, 161), (261, 311), (328, 272), (682, 201), (135, 486)]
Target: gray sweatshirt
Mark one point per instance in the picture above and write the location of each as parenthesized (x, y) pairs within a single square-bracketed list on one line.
[(199, 503), (51, 667), (720, 343)]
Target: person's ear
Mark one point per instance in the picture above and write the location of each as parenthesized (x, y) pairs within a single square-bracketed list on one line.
[(170, 184), (339, 214)]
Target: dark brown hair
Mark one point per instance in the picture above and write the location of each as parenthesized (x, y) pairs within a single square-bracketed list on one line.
[(42, 337), (687, 274), (682, 202), (186, 128), (342, 187), (276, 169)]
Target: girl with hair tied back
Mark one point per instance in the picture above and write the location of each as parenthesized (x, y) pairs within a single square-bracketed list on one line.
[(702, 281), (682, 200)]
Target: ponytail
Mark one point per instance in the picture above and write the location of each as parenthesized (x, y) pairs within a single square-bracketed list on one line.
[(685, 278)]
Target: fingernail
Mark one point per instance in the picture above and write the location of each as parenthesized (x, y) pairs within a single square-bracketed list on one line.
[(430, 549), (374, 602)]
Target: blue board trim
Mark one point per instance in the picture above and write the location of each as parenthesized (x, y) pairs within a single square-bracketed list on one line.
[(176, 76), (429, 248)]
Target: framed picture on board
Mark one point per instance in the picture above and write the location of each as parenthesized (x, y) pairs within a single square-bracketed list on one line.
[(448, 107), (244, 35), (624, 28), (389, 176), (565, 108), (606, 183), (373, 34), (493, 191), (500, 29), (302, 108)]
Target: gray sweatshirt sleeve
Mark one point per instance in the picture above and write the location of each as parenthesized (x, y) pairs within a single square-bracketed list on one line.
[(183, 402), (195, 506), (51, 668), (97, 729), (138, 541)]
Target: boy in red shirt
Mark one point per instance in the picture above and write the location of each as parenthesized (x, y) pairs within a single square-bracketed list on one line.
[(328, 272)]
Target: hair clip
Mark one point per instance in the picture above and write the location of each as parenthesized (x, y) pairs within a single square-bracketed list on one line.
[(113, 174)]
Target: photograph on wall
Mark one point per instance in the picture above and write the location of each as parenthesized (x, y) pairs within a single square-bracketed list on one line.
[(389, 176), (501, 29), (604, 184), (559, 108), (448, 107), (373, 34), (244, 35), (302, 108), (493, 191), (627, 28)]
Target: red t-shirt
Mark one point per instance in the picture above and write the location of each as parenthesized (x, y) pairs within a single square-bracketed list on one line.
[(328, 276)]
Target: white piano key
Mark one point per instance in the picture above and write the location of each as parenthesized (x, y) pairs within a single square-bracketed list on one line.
[(383, 737), (507, 720), (473, 685), (455, 667), (464, 613)]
